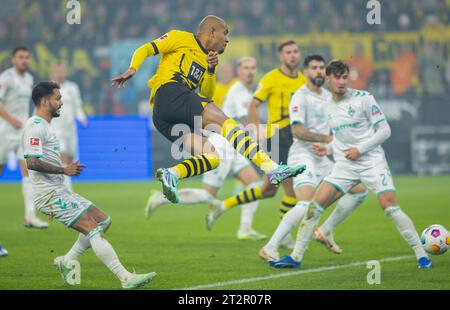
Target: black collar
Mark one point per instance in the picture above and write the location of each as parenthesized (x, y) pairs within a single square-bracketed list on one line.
[(200, 44)]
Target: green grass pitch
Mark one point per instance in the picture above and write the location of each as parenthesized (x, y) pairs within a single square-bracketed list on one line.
[(176, 245)]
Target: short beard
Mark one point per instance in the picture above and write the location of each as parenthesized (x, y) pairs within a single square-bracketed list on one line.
[(318, 82), (56, 114)]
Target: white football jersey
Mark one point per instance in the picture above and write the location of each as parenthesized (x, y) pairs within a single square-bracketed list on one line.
[(65, 125), (15, 97), (307, 108), (237, 101), (38, 140), (352, 121)]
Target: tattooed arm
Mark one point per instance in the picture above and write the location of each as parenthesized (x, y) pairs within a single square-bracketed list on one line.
[(34, 163)]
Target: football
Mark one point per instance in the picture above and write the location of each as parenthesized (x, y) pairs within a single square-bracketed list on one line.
[(435, 239)]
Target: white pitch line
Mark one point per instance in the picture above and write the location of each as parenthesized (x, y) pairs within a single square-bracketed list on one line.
[(290, 274)]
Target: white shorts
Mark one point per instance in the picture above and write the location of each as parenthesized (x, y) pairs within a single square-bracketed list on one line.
[(10, 145), (377, 179), (65, 206), (231, 162), (316, 168), (68, 146)]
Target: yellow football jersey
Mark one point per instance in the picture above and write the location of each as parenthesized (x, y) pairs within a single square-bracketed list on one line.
[(277, 88), (183, 59)]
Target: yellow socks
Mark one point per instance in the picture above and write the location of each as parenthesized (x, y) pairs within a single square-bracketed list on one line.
[(242, 142), (196, 165), (249, 195), (287, 204)]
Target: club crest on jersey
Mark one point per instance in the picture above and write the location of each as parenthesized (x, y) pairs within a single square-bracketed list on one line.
[(295, 109), (35, 141), (351, 111), (163, 37), (375, 110)]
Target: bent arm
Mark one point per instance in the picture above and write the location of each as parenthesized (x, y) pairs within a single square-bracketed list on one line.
[(143, 52), (300, 132), (382, 133), (34, 163)]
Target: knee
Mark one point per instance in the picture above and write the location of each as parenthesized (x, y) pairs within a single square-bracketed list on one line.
[(269, 191), (105, 224), (360, 196)]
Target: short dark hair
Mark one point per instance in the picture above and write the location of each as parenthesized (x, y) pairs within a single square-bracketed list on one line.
[(18, 49), (337, 68), (284, 44), (310, 58), (42, 90)]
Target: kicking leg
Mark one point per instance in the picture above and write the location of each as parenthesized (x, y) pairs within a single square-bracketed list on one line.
[(241, 141), (193, 166)]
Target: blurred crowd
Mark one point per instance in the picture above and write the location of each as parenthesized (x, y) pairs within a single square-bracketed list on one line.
[(104, 21), (30, 22)]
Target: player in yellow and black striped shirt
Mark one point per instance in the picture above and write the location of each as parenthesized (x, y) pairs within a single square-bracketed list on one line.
[(188, 63)]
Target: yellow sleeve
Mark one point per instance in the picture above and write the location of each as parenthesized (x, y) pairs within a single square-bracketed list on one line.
[(263, 90), (208, 86), (164, 44)]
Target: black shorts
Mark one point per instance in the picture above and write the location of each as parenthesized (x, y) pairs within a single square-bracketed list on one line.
[(176, 103), (285, 140)]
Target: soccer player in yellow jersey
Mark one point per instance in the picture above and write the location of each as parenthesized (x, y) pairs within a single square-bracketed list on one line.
[(189, 62), (276, 87)]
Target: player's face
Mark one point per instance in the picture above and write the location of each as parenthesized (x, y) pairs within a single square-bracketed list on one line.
[(219, 39), (20, 60), (247, 71), (338, 84), (55, 103), (290, 56), (316, 72), (60, 73)]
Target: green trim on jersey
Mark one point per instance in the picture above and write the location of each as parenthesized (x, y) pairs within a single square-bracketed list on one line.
[(32, 155), (385, 191), (335, 186), (78, 217), (377, 122), (297, 123)]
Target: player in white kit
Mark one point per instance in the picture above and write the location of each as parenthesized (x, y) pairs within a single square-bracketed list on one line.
[(231, 163), (359, 127), (308, 126), (65, 126), (53, 198), (15, 95)]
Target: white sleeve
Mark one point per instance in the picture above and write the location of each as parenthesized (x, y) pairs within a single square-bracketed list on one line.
[(78, 104), (373, 111), (32, 141), (297, 109), (380, 124), (4, 85)]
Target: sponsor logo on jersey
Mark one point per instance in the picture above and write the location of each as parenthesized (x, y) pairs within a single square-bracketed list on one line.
[(375, 110), (163, 37), (35, 141)]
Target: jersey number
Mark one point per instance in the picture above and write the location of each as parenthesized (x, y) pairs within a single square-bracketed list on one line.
[(196, 72)]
